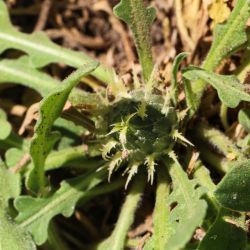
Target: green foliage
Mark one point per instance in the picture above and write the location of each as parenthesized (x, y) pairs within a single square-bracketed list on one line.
[(228, 38), (64, 157), (235, 237), (233, 191), (44, 139), (41, 50), (11, 236), (244, 66), (162, 228), (116, 241), (128, 130), (133, 12), (218, 140), (17, 71), (244, 119), (4, 125), (10, 183), (174, 81), (189, 209), (229, 89), (13, 156), (36, 213)]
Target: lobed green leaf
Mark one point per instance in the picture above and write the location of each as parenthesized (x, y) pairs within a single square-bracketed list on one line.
[(35, 214), (139, 18), (228, 38), (44, 139), (19, 72), (42, 51), (10, 185), (13, 237), (231, 92), (189, 211)]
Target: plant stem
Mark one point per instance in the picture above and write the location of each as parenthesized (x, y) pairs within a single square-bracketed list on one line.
[(117, 239), (223, 116), (161, 212), (126, 216), (218, 139), (213, 159)]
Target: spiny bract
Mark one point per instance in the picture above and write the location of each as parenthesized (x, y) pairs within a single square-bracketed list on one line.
[(141, 128)]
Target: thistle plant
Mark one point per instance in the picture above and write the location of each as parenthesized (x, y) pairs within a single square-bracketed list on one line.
[(136, 137)]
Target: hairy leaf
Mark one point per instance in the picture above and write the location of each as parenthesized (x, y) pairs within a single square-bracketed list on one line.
[(139, 18), (10, 139), (229, 89), (10, 185), (44, 139), (227, 232), (17, 71), (244, 66), (36, 213), (233, 191), (216, 138), (189, 210), (228, 38), (41, 50), (244, 119), (13, 237)]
